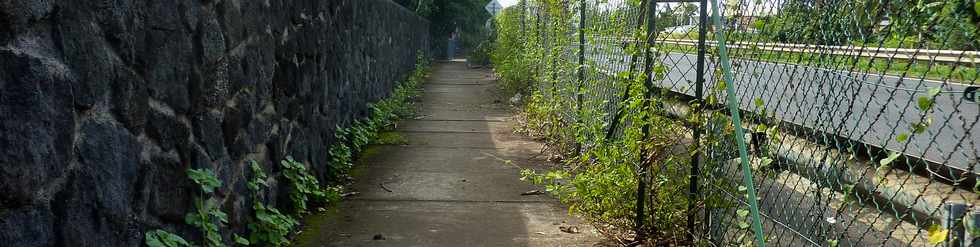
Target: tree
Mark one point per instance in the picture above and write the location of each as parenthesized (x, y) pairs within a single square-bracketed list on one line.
[(445, 16)]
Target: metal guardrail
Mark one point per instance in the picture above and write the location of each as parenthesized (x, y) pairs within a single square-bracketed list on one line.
[(947, 56)]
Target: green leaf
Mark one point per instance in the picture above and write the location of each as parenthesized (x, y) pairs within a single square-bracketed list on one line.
[(205, 178), (925, 103), (937, 234), (759, 102), (891, 157), (919, 128), (765, 162), (934, 91), (832, 243), (743, 225), (742, 212), (161, 238), (660, 71), (551, 187), (976, 7), (221, 216), (711, 100), (623, 74), (902, 137), (934, 4), (240, 240), (153, 241)]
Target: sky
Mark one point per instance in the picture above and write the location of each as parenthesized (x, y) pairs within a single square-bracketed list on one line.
[(507, 3)]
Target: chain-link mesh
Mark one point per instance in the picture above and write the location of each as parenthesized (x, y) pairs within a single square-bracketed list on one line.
[(860, 114)]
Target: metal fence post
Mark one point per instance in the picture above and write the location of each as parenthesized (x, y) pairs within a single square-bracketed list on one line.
[(971, 237), (581, 69), (523, 5), (953, 220), (614, 124), (648, 96), (696, 128)]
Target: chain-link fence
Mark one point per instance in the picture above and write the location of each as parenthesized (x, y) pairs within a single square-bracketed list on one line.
[(859, 115)]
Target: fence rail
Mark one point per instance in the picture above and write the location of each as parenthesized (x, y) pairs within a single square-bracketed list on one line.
[(948, 56)]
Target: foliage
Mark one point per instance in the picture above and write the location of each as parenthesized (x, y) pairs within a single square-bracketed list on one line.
[(602, 174), (340, 153), (672, 16), (551, 179), (481, 54), (161, 238), (351, 140), (205, 178), (515, 51), (937, 234), (208, 216), (270, 227), (304, 187), (934, 24), (383, 115), (423, 8), (240, 240), (446, 16)]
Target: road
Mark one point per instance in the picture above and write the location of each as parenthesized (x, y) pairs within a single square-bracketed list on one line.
[(870, 108)]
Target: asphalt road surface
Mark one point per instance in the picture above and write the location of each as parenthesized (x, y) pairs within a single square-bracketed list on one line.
[(871, 108)]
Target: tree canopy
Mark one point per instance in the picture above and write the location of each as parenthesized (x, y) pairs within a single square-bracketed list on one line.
[(446, 15)]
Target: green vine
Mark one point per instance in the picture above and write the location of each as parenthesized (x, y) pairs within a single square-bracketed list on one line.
[(600, 174)]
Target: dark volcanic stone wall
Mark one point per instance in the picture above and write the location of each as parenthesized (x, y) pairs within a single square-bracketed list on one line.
[(104, 104)]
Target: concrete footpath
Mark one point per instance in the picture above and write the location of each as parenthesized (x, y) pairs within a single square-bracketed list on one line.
[(450, 185)]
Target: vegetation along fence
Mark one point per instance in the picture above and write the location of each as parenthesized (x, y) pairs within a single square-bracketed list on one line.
[(756, 122)]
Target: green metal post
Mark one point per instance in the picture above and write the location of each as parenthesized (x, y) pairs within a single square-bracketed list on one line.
[(737, 121)]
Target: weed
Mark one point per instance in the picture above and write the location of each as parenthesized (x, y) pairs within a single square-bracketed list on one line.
[(208, 216), (161, 238), (606, 160), (304, 187), (384, 114), (513, 51), (270, 227)]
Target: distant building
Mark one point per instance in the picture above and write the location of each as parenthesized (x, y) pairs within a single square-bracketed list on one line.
[(746, 15), (682, 29)]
